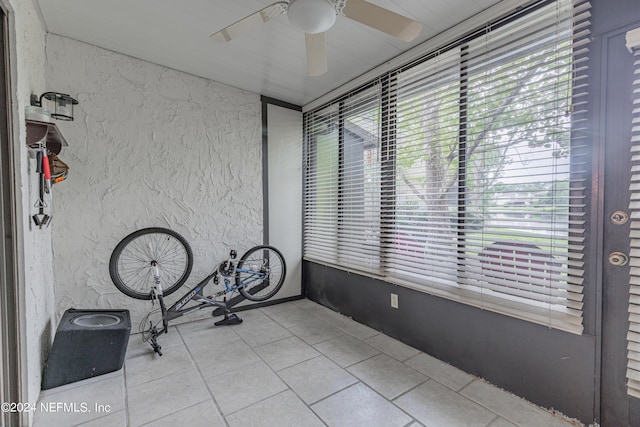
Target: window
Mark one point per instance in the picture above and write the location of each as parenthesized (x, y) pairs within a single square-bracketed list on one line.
[(462, 174), (425, 242), (343, 192)]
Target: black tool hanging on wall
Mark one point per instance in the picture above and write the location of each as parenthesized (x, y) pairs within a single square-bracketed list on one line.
[(41, 219)]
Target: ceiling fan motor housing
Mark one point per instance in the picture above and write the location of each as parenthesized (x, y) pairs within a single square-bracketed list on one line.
[(312, 16)]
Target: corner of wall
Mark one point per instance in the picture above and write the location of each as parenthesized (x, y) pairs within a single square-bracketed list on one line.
[(26, 60)]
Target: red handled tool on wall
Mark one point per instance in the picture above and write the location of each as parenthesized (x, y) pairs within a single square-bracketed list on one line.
[(41, 219), (47, 172)]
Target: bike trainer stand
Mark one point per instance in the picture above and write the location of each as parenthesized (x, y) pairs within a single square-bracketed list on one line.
[(230, 319)]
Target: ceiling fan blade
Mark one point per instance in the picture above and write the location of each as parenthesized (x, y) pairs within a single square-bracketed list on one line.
[(316, 54), (250, 22), (382, 19)]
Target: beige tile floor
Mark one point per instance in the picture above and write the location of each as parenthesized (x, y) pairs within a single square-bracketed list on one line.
[(293, 364)]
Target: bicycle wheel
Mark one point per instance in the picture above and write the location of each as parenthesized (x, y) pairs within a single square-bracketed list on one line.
[(131, 262), (260, 273)]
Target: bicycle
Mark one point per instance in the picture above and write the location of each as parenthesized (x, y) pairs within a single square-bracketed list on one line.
[(145, 260)]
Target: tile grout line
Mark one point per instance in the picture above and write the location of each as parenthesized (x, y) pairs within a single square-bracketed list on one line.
[(498, 415), (276, 373), (165, 376), (152, 422), (126, 394), (321, 354), (84, 423), (401, 394), (124, 410), (263, 399), (374, 391), (506, 417), (215, 402), (334, 325), (494, 420), (391, 401), (359, 381), (456, 392), (319, 342), (75, 385)]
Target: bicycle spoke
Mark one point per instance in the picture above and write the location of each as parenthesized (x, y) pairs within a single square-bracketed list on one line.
[(131, 265), (261, 273)]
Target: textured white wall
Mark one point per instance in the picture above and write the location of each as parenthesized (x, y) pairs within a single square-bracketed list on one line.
[(150, 146), (27, 67)]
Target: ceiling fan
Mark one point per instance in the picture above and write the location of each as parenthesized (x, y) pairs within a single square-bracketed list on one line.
[(315, 17)]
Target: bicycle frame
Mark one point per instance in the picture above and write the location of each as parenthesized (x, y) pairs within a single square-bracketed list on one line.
[(196, 294)]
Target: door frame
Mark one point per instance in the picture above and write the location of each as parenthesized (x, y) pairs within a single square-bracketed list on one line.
[(11, 389)]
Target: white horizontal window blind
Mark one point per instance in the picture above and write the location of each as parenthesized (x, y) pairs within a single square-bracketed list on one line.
[(342, 197), (321, 185), (424, 245), (525, 169), (472, 186), (359, 181), (633, 335)]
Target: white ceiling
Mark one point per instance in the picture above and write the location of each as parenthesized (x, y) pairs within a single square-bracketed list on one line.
[(270, 61)]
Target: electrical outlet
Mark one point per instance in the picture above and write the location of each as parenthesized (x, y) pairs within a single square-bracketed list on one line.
[(394, 300)]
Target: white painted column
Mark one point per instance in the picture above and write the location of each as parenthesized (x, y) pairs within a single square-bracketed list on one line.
[(284, 148)]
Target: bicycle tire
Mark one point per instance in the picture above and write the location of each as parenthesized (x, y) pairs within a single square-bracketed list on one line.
[(271, 261), (130, 263)]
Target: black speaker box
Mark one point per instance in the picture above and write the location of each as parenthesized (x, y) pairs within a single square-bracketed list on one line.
[(88, 343)]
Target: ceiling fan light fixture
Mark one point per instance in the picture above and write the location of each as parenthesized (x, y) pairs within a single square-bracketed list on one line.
[(312, 16)]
